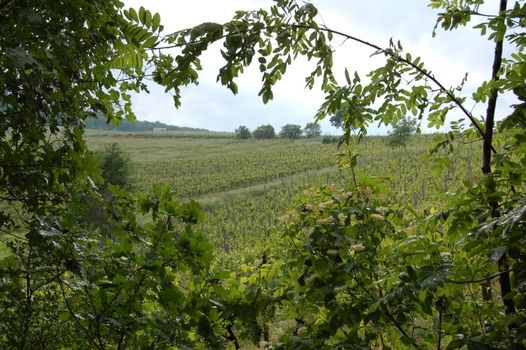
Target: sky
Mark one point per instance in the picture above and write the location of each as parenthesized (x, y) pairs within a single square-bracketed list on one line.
[(450, 55)]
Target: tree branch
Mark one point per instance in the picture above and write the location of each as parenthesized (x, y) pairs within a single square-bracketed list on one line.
[(399, 327), (415, 67), (479, 280), (324, 28), (492, 101), (232, 337)]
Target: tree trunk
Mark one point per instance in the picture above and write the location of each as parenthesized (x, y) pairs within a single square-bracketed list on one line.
[(504, 278)]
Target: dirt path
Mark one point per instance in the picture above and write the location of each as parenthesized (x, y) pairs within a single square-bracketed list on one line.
[(211, 199)]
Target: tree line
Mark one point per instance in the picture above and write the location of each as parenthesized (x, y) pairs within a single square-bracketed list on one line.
[(289, 131)]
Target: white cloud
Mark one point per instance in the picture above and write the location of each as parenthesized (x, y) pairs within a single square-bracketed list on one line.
[(209, 105)]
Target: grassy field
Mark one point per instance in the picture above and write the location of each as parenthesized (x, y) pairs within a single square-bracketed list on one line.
[(246, 186)]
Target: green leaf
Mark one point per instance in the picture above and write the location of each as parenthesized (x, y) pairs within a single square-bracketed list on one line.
[(142, 15), (150, 42), (133, 15), (347, 77), (156, 21), (127, 61)]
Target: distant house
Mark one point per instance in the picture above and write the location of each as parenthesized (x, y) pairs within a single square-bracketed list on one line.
[(159, 129)]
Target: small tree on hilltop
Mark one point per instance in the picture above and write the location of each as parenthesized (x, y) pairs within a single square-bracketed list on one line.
[(242, 133), (115, 166), (290, 131), (402, 131), (264, 132), (312, 130)]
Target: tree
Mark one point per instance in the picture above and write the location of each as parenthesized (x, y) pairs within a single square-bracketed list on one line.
[(115, 166), (264, 132), (402, 131), (290, 131), (312, 130), (50, 83), (66, 284), (242, 133)]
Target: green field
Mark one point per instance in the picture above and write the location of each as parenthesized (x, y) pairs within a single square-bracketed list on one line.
[(246, 186)]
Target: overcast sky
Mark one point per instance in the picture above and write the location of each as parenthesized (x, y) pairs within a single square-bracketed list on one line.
[(450, 55)]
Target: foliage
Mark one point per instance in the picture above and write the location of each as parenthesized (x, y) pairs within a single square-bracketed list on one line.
[(401, 131), (109, 291), (49, 83), (290, 131), (242, 133), (64, 286), (264, 132), (403, 85), (312, 130)]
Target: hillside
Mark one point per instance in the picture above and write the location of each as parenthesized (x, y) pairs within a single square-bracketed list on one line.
[(138, 125)]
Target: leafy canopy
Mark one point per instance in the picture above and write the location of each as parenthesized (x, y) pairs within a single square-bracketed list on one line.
[(402, 131)]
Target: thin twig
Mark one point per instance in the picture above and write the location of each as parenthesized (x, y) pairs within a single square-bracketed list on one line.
[(472, 141), (477, 307), (398, 326), (479, 280)]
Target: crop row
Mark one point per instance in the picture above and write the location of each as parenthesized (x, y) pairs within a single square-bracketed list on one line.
[(409, 177), (198, 176)]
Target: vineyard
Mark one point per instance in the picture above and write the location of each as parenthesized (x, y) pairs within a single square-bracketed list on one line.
[(246, 187)]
